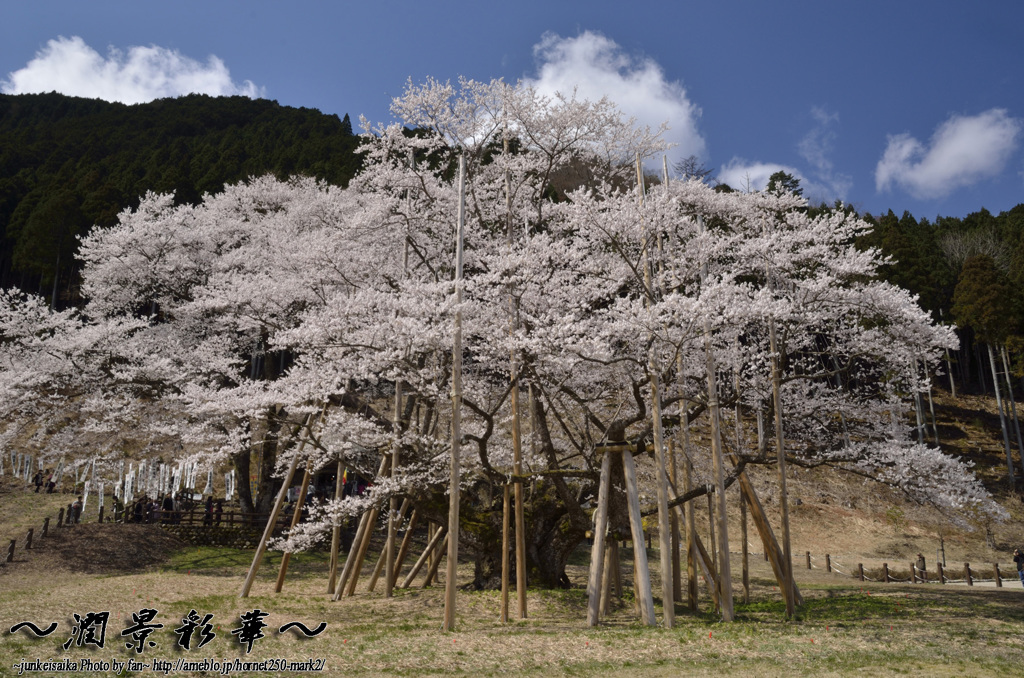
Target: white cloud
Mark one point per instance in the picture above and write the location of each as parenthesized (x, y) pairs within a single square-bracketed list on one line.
[(816, 146), (596, 66), (69, 66), (963, 151)]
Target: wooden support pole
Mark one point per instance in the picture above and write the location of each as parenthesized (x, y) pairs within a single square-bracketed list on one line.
[(60, 517), (808, 560), (357, 566), (597, 551), (339, 488), (46, 526), (942, 575), (860, 571), (451, 582), (28, 539), (424, 557), (506, 526), (10, 551), (261, 548), (296, 516), (384, 559), (677, 574), (745, 550), (641, 574), (607, 585), (357, 541), (361, 530), (885, 573), (828, 563), (101, 515), (967, 574), (913, 573), (691, 529), (999, 579), (403, 550), (434, 566)]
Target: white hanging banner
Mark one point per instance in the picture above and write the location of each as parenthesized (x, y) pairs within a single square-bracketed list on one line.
[(85, 495), (99, 494), (208, 490)]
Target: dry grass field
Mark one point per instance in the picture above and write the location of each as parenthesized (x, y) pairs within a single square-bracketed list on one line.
[(845, 627)]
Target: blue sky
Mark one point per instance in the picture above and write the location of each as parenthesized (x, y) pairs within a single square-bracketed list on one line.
[(900, 104)]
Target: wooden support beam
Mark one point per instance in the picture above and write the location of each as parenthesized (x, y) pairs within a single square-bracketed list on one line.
[(641, 574), (772, 550), (403, 550), (339, 488), (357, 566), (597, 552), (296, 517), (424, 557), (261, 548), (432, 572)]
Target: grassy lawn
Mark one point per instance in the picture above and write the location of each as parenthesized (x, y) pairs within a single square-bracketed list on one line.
[(842, 629)]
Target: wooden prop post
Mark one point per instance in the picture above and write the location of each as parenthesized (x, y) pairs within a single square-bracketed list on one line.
[(361, 533), (432, 572), (385, 558), (403, 550), (339, 488), (450, 583), (746, 550), (261, 549), (642, 576), (357, 565), (773, 553), (296, 516), (424, 557), (506, 513)]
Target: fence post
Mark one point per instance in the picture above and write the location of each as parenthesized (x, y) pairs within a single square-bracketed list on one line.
[(942, 576), (60, 517), (101, 514), (967, 574), (28, 540), (913, 573), (885, 572), (999, 580), (860, 570), (10, 552), (808, 560), (46, 526), (828, 562)]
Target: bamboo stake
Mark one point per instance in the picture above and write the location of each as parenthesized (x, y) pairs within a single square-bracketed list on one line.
[(453, 488), (261, 549)]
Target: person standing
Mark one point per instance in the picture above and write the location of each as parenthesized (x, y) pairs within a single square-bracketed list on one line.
[(1018, 560)]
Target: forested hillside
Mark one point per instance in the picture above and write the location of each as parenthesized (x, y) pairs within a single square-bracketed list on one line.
[(67, 163)]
